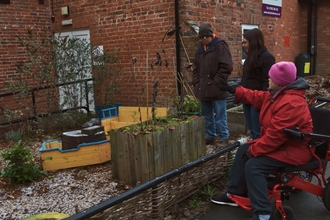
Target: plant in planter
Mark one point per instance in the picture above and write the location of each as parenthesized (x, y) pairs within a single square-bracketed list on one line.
[(187, 105), (107, 72)]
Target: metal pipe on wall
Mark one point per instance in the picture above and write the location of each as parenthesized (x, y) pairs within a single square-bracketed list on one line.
[(309, 27), (315, 38), (177, 47)]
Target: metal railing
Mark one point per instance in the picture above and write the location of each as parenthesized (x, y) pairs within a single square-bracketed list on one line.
[(32, 91), (103, 206)]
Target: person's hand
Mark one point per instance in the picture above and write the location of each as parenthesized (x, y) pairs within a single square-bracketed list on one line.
[(247, 155), (236, 102), (228, 88)]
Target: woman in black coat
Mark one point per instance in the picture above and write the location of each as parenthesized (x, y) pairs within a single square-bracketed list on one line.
[(255, 74)]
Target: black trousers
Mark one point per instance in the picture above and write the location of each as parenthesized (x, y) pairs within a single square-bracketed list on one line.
[(252, 174)]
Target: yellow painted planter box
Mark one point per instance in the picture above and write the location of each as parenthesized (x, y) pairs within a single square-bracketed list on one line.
[(54, 158), (128, 115)]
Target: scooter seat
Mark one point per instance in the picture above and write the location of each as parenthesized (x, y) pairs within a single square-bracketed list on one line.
[(313, 164)]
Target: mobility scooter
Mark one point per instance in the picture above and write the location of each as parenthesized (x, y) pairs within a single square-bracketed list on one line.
[(293, 179)]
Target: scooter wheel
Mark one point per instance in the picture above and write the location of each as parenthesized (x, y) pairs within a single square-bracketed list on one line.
[(288, 211), (326, 196)]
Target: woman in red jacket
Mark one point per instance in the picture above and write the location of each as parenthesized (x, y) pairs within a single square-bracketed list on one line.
[(283, 106)]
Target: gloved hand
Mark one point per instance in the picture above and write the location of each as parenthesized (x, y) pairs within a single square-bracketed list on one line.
[(236, 102), (247, 155), (228, 88)]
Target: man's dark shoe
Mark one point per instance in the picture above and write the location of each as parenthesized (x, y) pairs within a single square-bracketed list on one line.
[(223, 200), (211, 141), (224, 143)]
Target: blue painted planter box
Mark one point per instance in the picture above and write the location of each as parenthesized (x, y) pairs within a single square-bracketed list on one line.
[(108, 111)]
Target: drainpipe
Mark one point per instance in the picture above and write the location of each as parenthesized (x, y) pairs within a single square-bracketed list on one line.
[(314, 51), (309, 27), (312, 29), (177, 47)]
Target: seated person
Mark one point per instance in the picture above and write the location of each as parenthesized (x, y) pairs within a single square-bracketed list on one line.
[(283, 106)]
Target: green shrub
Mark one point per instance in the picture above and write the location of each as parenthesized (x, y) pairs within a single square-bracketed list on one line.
[(20, 167), (186, 104)]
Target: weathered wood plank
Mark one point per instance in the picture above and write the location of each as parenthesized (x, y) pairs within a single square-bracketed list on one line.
[(193, 148), (144, 142), (123, 166), (184, 143), (176, 146), (200, 137), (115, 154), (132, 144), (139, 157), (158, 145), (168, 149), (151, 157)]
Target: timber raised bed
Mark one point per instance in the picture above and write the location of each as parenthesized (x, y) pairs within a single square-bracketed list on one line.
[(236, 121), (137, 158)]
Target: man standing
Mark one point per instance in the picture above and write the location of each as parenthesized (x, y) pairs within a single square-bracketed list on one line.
[(212, 66)]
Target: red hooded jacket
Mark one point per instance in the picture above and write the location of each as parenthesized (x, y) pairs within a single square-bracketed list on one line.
[(286, 108)]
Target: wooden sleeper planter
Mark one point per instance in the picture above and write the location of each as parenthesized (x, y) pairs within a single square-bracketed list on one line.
[(140, 158), (236, 121)]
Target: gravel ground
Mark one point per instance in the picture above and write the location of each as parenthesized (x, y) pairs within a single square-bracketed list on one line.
[(67, 191)]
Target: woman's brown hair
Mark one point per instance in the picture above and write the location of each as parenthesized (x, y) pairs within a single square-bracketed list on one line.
[(256, 42)]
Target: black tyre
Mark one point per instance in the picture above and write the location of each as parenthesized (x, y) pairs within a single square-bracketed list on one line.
[(326, 196), (289, 213)]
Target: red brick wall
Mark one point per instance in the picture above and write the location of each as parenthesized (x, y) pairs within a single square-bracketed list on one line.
[(136, 29), (15, 19), (323, 39), (292, 26)]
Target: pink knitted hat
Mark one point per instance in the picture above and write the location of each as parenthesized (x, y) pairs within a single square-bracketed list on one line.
[(283, 73)]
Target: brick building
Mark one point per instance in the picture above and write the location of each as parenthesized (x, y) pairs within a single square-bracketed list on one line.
[(140, 29)]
